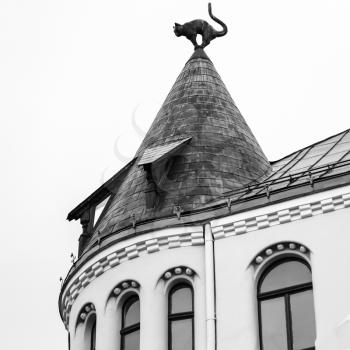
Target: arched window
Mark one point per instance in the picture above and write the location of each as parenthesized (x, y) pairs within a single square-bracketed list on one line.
[(180, 318), (286, 306), (130, 332)]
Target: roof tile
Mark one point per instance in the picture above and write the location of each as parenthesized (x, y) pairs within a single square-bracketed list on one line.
[(222, 155)]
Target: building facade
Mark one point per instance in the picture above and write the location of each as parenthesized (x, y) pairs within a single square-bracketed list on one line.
[(201, 243)]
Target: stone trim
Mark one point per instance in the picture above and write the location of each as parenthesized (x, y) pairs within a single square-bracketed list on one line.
[(127, 285), (277, 248), (282, 216), (84, 313), (178, 271), (121, 255)]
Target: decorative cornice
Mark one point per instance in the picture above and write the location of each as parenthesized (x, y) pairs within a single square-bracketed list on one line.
[(282, 216), (196, 238), (121, 255)]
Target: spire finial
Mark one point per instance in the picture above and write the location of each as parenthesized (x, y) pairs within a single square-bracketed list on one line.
[(198, 26)]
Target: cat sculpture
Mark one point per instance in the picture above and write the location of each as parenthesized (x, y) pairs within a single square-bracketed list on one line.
[(198, 26)]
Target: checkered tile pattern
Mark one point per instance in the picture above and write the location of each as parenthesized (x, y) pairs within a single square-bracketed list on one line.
[(122, 255), (282, 216)]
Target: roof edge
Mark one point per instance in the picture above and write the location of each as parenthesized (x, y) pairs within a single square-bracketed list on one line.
[(215, 208), (311, 145), (101, 193)]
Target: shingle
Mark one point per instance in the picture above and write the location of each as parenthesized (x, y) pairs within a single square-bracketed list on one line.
[(153, 154), (222, 154)]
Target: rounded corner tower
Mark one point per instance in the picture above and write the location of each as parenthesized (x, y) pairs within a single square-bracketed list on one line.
[(146, 237)]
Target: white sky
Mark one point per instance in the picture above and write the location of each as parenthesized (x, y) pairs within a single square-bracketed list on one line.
[(72, 73)]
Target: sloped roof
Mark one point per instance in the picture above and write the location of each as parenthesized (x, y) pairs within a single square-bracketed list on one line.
[(313, 164), (221, 153), (331, 151), (215, 159)]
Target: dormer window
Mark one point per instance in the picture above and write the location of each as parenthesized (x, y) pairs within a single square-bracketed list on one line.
[(156, 162), (99, 209), (89, 218)]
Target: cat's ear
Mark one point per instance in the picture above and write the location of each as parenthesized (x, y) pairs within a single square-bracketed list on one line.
[(177, 24)]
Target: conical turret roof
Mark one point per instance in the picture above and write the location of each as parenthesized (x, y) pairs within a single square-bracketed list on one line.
[(198, 147)]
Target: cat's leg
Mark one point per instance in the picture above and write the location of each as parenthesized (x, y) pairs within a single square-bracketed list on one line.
[(193, 39), (206, 40)]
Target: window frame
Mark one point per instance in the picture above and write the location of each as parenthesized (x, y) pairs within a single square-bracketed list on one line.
[(180, 315), (132, 328), (92, 223), (284, 293), (93, 335)]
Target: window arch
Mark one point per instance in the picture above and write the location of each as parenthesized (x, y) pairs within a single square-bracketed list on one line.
[(130, 331), (286, 306), (181, 318)]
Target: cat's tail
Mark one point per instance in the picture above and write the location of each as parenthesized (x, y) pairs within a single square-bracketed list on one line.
[(223, 25)]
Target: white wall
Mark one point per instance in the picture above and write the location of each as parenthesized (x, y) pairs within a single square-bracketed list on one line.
[(146, 270), (327, 236)]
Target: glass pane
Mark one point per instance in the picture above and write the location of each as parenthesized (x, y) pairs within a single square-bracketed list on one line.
[(181, 335), (181, 300), (132, 341), (99, 209), (287, 274), (132, 312), (303, 320), (273, 324)]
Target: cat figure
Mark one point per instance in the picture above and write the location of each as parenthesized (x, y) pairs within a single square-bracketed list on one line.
[(198, 26)]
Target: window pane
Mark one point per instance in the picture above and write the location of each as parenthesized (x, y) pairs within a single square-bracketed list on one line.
[(181, 300), (303, 320), (99, 209), (132, 312), (273, 323), (132, 341), (181, 335), (287, 274)]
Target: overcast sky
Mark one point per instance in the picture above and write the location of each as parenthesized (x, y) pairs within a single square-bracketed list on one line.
[(75, 73)]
